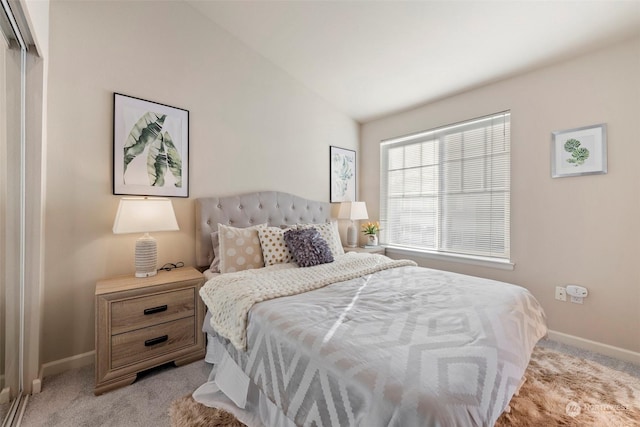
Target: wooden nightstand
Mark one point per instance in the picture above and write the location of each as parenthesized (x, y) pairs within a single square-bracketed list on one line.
[(376, 250), (145, 322)]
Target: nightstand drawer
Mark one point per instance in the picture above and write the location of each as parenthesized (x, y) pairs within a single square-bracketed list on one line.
[(145, 343), (141, 312)]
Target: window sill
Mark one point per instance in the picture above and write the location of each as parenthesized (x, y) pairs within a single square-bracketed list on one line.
[(463, 259)]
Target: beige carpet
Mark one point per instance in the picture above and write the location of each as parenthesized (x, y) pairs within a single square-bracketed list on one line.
[(560, 390)]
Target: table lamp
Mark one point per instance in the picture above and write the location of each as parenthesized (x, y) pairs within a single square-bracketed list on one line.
[(144, 215), (353, 211)]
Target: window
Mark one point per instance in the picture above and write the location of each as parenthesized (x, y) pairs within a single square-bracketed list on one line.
[(447, 190)]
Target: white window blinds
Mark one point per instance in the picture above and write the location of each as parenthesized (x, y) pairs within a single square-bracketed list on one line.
[(447, 189)]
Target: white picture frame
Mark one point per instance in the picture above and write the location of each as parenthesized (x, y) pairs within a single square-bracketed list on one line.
[(579, 151), (342, 175)]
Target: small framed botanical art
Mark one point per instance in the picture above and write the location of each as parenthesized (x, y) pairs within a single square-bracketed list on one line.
[(579, 151), (342, 173), (150, 148)]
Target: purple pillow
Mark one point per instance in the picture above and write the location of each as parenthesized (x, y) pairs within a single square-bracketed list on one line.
[(308, 247)]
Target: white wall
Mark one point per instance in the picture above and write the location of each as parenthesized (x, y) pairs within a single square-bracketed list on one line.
[(252, 127), (581, 230)]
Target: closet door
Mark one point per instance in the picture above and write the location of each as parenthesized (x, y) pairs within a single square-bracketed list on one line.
[(11, 218), (4, 392)]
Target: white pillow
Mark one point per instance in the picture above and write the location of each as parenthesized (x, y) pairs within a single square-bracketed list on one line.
[(274, 248), (239, 248), (329, 232)]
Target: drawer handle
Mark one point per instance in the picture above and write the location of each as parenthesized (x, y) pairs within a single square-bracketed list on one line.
[(155, 309), (154, 341)]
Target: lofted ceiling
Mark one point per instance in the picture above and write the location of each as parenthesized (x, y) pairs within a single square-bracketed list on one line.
[(373, 58)]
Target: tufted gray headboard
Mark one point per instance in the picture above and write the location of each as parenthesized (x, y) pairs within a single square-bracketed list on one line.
[(272, 207)]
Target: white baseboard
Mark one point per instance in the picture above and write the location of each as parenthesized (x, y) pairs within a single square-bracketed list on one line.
[(57, 366), (5, 395), (88, 358), (36, 385), (598, 347)]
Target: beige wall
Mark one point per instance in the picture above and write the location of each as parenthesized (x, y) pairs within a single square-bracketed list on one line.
[(252, 127), (580, 230)]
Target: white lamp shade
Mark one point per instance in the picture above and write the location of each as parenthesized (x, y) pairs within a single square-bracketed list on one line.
[(353, 211), (143, 215)]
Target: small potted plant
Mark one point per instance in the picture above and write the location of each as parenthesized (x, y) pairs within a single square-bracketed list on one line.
[(370, 229)]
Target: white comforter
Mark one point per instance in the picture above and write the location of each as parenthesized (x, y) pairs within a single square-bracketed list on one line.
[(404, 346)]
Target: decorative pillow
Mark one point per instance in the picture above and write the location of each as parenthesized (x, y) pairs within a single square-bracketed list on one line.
[(329, 232), (215, 242), (239, 248), (274, 248), (308, 247)]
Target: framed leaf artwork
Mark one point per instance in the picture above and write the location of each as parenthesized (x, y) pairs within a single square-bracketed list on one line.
[(342, 172), (579, 151), (150, 148)]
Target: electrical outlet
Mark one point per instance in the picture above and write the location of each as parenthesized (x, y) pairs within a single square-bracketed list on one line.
[(561, 293), (576, 300)]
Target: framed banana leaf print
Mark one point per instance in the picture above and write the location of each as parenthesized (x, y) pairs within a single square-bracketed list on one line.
[(150, 148), (342, 172)]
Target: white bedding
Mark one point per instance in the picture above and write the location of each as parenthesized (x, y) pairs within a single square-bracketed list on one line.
[(404, 346)]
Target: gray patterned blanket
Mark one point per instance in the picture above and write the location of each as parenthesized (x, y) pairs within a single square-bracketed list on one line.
[(229, 297), (406, 346)]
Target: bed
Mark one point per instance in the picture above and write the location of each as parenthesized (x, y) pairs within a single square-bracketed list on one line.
[(361, 340)]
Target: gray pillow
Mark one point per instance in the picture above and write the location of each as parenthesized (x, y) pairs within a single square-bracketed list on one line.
[(308, 247)]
